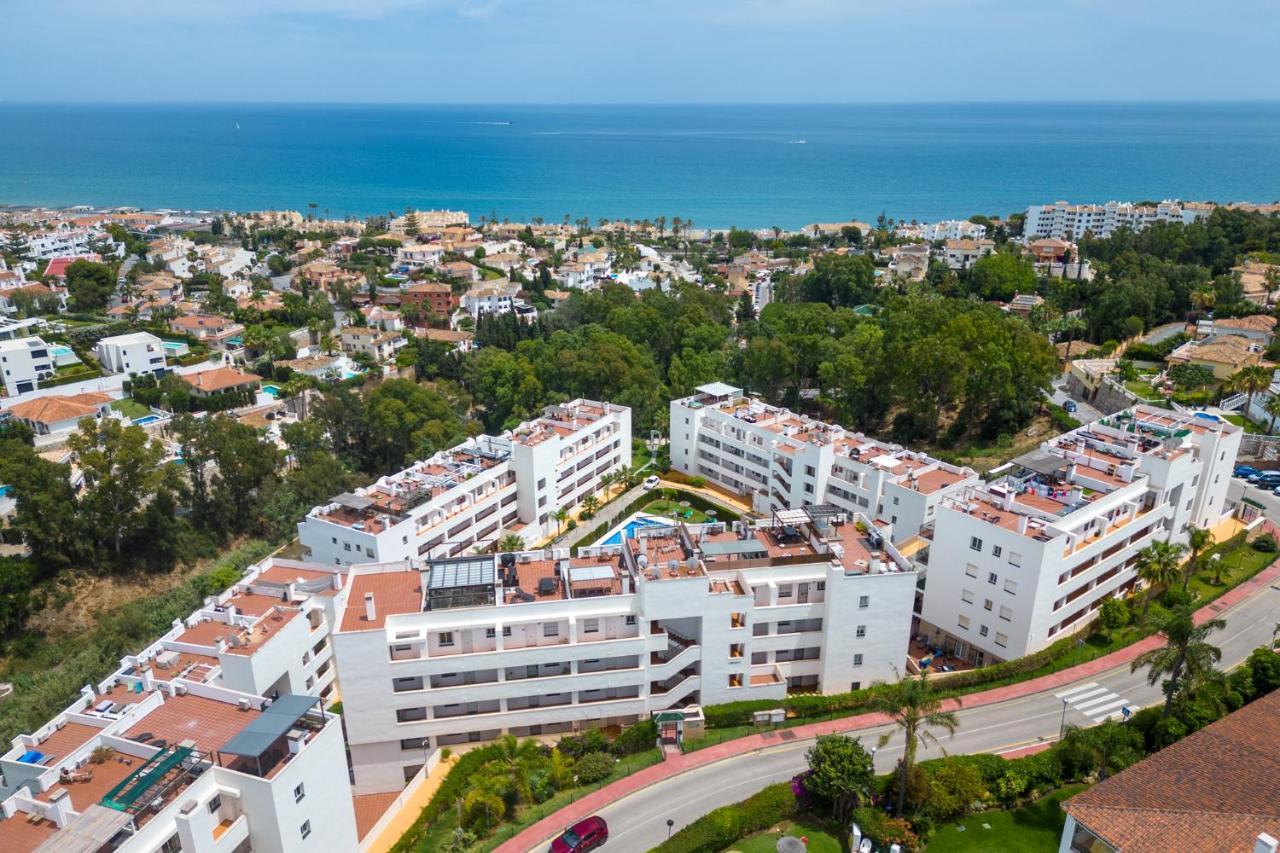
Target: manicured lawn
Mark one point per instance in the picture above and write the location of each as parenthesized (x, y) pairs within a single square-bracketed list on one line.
[(1250, 426), (1143, 389), (130, 408), (1237, 567), (1034, 828), (821, 837), (671, 508)]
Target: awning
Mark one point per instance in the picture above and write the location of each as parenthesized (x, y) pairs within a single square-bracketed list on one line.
[(263, 730)]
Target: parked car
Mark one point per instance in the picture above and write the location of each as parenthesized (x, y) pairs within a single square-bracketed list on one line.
[(1069, 405), (650, 482), (582, 836), (1245, 471)]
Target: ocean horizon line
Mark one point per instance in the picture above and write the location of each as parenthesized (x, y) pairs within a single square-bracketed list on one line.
[(1091, 102)]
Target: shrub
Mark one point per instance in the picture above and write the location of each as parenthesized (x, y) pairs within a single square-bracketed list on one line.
[(455, 785), (886, 830), (594, 767), (482, 811), (953, 789), (576, 746), (571, 524), (1266, 543), (1264, 665), (636, 738), (719, 829)]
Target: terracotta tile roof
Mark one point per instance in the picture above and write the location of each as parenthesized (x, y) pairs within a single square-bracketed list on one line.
[(1216, 789), (105, 777), (67, 740), (393, 592), (17, 835), (252, 604), (369, 810), (206, 633), (208, 722), (1252, 323), (220, 379), (53, 409)]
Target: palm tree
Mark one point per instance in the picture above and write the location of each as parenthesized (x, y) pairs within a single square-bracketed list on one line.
[(606, 483), (1197, 540), (913, 708), (509, 542), (513, 765), (1185, 657), (1272, 407), (1158, 567), (1249, 381), (1203, 298), (590, 504), (561, 516)]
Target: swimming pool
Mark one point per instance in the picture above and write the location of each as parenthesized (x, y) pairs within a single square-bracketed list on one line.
[(59, 349), (273, 390), (4, 490), (145, 419), (630, 528)]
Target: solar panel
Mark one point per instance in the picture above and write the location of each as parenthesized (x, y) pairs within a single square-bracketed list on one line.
[(582, 574), (449, 574)]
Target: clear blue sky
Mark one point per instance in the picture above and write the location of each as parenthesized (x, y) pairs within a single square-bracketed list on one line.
[(639, 50)]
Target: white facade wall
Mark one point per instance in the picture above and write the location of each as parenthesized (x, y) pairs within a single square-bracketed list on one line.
[(25, 362), (1069, 221), (137, 353)]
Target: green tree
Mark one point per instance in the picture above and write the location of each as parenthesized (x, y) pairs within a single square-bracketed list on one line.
[(1157, 567), (1198, 539), (914, 709), (1272, 408), (997, 277), (841, 772), (590, 504), (1185, 661), (1114, 614), (561, 516), (90, 284), (1249, 381)]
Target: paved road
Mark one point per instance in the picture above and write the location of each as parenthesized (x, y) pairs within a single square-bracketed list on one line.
[(639, 821), (1239, 489), (1163, 333), (1084, 412)]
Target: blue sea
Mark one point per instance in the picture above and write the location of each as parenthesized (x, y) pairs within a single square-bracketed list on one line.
[(750, 166)]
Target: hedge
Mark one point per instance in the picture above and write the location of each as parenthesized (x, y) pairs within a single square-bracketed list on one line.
[(455, 785), (718, 829), (696, 501)]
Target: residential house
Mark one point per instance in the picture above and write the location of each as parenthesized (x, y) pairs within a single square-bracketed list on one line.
[(26, 363), (461, 270), (1022, 303), (459, 340), (135, 354), (55, 414), (219, 380), (1223, 354), (380, 345), (418, 255), (381, 317), (217, 332), (910, 260), (1259, 280), (963, 254)]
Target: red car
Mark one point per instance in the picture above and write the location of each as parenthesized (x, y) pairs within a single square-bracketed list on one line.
[(582, 836)]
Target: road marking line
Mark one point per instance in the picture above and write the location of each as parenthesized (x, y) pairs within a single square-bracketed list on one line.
[(1088, 697), (1105, 710), (1067, 693), (1095, 703), (1114, 715)]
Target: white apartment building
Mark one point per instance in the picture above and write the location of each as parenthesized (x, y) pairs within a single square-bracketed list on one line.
[(25, 362), (782, 460), (947, 229), (467, 497), (1028, 558), (64, 242), (460, 650), (1071, 221), (213, 739), (136, 353)]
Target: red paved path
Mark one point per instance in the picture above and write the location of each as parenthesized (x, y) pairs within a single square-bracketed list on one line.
[(539, 832)]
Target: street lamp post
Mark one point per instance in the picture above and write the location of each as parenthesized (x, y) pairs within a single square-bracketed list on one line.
[(1062, 728), (670, 823)]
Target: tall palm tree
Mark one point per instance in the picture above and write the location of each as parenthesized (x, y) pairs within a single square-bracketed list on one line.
[(606, 483), (1272, 407), (914, 708), (590, 504), (509, 542), (1249, 381), (1197, 540), (561, 516), (1203, 298), (1185, 658), (513, 765), (1158, 567)]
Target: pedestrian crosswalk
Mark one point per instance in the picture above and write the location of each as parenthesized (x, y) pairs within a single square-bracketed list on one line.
[(1095, 701)]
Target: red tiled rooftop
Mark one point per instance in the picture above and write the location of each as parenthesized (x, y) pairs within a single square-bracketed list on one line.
[(66, 740), (106, 776), (253, 604), (206, 633), (18, 835), (393, 593), (938, 478), (289, 574), (206, 721), (369, 810)]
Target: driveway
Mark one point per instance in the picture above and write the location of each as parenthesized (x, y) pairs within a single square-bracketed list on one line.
[(1084, 412)]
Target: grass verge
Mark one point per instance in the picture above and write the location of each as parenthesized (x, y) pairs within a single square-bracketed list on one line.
[(1033, 828)]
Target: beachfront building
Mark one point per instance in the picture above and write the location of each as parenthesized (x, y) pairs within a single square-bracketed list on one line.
[(214, 738), (134, 354), (781, 460), (455, 651), (1072, 221), (1030, 556), (471, 495), (24, 364), (961, 254)]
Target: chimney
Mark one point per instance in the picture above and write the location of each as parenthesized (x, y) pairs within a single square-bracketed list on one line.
[(370, 612), (1265, 843), (59, 809)]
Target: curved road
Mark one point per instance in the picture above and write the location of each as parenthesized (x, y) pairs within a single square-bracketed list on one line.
[(639, 821)]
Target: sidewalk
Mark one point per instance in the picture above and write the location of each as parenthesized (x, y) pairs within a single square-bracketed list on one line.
[(674, 765), (410, 809)]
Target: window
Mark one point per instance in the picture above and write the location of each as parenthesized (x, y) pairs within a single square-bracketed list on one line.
[(413, 742), (490, 633), (971, 570), (299, 792), (445, 638), (996, 550), (822, 585), (215, 803), (1015, 559), (975, 544), (964, 622), (895, 501), (551, 629), (306, 828), (173, 845), (400, 685), (1006, 613), (784, 591), (991, 578), (982, 630), (410, 715), (631, 620), (857, 660), (1011, 587), (590, 626), (1002, 640), (861, 631), (986, 604), (966, 595), (864, 601)]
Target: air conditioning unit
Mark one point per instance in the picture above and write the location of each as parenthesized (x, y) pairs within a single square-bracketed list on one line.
[(243, 704), (180, 689)]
